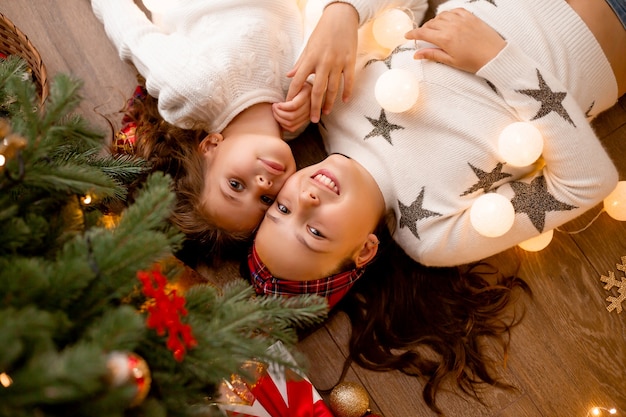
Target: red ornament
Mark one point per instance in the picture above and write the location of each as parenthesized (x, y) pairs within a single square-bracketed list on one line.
[(165, 310)]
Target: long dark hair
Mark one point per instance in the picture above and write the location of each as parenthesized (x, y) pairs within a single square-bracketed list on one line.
[(431, 322), (174, 151)]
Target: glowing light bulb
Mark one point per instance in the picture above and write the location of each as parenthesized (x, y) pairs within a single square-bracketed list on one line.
[(86, 200), (520, 144), (492, 215), (389, 28), (396, 90), (3, 160), (312, 12), (537, 243), (5, 380), (595, 411), (615, 203), (612, 411)]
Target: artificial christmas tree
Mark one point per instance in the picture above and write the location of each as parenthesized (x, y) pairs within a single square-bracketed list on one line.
[(92, 320)]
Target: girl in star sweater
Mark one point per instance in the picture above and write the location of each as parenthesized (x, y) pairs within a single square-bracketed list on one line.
[(389, 209), (432, 162)]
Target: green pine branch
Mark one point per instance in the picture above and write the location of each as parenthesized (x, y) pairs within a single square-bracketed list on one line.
[(69, 293)]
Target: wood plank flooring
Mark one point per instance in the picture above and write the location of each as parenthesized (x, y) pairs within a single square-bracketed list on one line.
[(569, 353)]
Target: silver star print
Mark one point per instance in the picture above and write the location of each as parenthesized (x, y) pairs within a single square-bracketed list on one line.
[(551, 101), (488, 1), (409, 215), (382, 127), (389, 57), (486, 179), (535, 200)]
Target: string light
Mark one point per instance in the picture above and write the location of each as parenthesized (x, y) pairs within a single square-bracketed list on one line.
[(615, 203), (537, 243), (520, 144), (86, 199), (389, 28), (5, 380), (492, 215), (312, 12), (396, 90), (598, 411)]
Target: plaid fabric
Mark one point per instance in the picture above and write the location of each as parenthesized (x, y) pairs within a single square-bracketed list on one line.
[(333, 288)]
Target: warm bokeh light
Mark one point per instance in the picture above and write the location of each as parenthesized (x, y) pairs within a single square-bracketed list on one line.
[(86, 199), (396, 90), (598, 411), (389, 28), (615, 203), (5, 380), (312, 12), (492, 215), (520, 144), (537, 243)]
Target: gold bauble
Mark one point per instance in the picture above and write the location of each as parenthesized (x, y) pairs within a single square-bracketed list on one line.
[(128, 368), (349, 399)]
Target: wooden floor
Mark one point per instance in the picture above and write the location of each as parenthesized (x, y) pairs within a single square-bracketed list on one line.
[(568, 355)]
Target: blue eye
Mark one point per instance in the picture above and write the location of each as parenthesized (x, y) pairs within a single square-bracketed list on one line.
[(267, 200), (235, 185), (282, 208)]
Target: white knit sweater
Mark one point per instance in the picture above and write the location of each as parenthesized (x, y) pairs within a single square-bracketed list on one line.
[(433, 161), (214, 59)]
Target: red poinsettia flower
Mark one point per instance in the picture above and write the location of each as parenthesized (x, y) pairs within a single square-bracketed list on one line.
[(165, 310)]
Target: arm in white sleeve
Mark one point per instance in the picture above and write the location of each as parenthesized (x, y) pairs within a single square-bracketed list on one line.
[(160, 58), (577, 175), (369, 9)]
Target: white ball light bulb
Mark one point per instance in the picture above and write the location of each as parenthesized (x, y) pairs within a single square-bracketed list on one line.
[(615, 203), (313, 10), (537, 243), (520, 144), (492, 215), (389, 28), (396, 90)]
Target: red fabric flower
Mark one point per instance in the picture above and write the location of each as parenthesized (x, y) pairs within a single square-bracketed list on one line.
[(164, 312)]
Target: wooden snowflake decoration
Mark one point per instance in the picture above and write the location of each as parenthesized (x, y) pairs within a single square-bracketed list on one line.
[(615, 302)]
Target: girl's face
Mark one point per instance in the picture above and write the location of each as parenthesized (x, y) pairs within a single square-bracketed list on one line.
[(324, 215), (243, 178)]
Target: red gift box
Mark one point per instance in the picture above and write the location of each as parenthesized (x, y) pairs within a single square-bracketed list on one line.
[(279, 391)]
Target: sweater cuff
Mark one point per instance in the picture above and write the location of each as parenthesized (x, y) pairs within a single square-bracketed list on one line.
[(507, 68)]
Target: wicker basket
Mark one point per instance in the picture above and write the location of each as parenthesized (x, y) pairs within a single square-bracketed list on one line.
[(14, 42)]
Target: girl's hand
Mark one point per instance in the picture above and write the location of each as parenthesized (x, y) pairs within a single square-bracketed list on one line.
[(293, 114), (330, 54), (463, 40)]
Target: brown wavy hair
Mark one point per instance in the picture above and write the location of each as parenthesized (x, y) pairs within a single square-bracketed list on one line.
[(174, 151), (432, 323)]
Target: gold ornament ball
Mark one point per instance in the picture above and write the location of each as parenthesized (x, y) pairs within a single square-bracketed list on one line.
[(349, 399), (128, 368)]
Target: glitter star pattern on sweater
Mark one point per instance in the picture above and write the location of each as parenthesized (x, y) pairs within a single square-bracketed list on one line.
[(535, 200)]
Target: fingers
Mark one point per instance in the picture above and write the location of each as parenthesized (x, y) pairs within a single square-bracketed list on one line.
[(433, 54), (288, 117), (348, 83), (332, 89)]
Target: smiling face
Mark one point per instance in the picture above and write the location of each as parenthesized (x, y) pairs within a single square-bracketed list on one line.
[(324, 215), (244, 175)]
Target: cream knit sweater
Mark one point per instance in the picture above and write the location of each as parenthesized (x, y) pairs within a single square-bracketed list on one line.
[(208, 60), (433, 161)]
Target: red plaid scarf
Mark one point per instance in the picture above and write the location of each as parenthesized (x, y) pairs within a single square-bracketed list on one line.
[(333, 288)]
